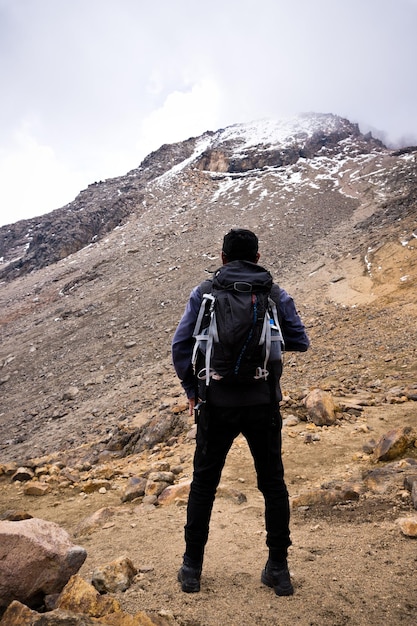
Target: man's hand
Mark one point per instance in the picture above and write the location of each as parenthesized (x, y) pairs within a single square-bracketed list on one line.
[(191, 405)]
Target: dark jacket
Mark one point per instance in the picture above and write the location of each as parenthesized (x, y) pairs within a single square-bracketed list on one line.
[(220, 394)]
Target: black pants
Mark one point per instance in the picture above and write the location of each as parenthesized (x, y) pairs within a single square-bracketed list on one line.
[(216, 432)]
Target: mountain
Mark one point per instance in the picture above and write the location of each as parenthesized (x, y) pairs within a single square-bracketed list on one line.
[(90, 296), (240, 149), (92, 292)]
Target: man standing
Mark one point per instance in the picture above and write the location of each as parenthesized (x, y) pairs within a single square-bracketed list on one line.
[(230, 409)]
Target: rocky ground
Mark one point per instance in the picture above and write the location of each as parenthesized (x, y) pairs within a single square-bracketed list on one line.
[(85, 368)]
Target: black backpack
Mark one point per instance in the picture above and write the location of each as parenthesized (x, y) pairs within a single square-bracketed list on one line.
[(237, 333)]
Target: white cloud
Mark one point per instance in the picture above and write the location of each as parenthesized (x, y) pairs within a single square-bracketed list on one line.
[(32, 179), (183, 114)]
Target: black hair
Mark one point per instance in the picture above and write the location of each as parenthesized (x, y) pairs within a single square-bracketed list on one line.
[(240, 244)]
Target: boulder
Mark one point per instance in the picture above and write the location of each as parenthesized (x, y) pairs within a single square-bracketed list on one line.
[(37, 558), (18, 614), (394, 443), (321, 409), (79, 596)]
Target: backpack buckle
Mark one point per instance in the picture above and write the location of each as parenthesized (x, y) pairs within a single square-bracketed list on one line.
[(242, 287)]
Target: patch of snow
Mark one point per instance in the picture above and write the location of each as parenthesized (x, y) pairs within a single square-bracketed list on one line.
[(368, 262), (277, 133), (253, 185), (224, 186), (201, 146)]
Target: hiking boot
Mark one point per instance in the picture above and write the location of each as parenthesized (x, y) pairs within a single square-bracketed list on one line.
[(189, 577), (276, 575)]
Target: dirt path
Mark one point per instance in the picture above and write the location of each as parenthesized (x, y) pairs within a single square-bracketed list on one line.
[(350, 563)]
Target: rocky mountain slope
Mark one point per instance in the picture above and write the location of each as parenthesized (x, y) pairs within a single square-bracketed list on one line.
[(32, 244), (91, 293), (100, 320)]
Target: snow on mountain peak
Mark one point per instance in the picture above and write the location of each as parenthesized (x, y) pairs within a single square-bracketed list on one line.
[(281, 133)]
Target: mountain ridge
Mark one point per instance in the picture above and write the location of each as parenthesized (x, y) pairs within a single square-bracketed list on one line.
[(317, 220), (31, 244)]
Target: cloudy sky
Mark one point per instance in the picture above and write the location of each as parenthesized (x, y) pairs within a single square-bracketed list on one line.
[(90, 87)]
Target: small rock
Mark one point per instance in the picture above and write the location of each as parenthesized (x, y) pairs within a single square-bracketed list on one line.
[(410, 483), (231, 494), (94, 521), (35, 488), (369, 446), (175, 493), (8, 469), (15, 516), (408, 526), (116, 576), (149, 501), (58, 413), (18, 614), (71, 393), (23, 474), (95, 484), (291, 420), (192, 433), (362, 428), (160, 466), (326, 496), (135, 488), (155, 488), (162, 476)]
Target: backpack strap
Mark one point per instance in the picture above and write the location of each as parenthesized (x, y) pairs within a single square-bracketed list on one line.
[(278, 336), (275, 295), (204, 337), (276, 319), (206, 286)]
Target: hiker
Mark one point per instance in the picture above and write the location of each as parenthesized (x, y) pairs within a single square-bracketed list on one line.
[(225, 407)]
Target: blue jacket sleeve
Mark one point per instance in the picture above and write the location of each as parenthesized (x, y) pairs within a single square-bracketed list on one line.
[(293, 330), (183, 343)]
